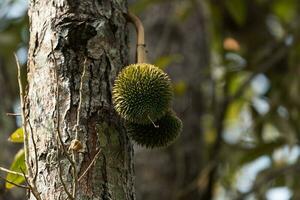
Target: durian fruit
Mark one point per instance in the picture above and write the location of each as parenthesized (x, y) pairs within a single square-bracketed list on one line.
[(142, 93), (167, 130)]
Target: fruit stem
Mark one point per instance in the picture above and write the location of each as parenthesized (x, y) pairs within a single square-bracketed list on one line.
[(155, 126), (141, 54)]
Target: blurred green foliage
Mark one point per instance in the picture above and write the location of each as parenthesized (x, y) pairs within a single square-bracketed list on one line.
[(14, 35), (254, 47)]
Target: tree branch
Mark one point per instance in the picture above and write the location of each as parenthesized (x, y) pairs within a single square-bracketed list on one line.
[(31, 187), (15, 184), (90, 165), (262, 68), (35, 152), (271, 175), (10, 171), (26, 142)]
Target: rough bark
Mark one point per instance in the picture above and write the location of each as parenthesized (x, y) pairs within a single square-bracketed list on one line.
[(89, 30)]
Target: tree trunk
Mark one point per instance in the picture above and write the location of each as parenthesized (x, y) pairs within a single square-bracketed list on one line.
[(84, 33)]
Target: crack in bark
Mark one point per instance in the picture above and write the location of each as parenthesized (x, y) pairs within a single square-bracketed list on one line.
[(105, 195), (107, 80)]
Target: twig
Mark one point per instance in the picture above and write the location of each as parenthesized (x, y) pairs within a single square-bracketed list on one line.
[(217, 146), (62, 180), (90, 165), (26, 142), (31, 187), (198, 183), (10, 171), (80, 100), (77, 127), (13, 114), (35, 152), (15, 184)]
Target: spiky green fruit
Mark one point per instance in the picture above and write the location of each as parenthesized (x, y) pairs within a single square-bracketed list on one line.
[(142, 92), (169, 127)]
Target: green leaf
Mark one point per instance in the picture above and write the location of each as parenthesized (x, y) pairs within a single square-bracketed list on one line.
[(237, 10), (237, 80), (234, 111), (17, 136), (17, 165), (263, 149)]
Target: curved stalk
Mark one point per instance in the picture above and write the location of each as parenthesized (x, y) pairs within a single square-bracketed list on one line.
[(141, 54)]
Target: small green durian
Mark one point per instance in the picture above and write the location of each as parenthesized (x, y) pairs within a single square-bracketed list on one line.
[(141, 93), (165, 131)]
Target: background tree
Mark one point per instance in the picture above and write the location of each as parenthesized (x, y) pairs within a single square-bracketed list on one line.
[(235, 106)]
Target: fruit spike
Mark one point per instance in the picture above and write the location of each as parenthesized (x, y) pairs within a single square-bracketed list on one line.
[(149, 136), (142, 91)]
